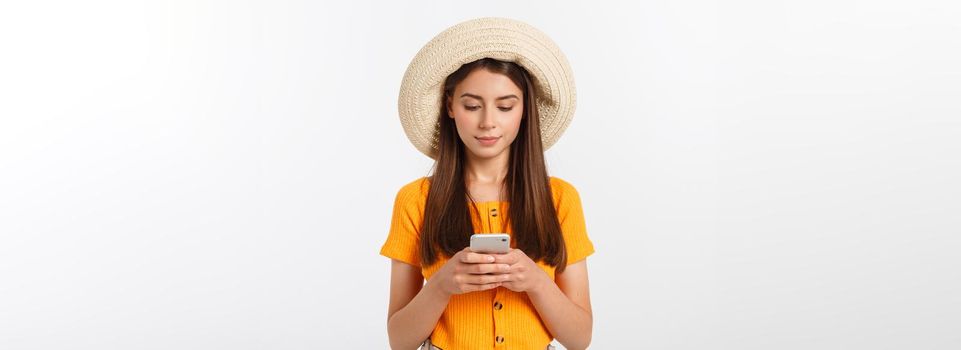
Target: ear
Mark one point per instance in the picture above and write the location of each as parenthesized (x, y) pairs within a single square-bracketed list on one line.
[(450, 112)]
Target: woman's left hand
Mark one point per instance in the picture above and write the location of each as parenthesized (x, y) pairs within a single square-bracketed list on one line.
[(524, 275)]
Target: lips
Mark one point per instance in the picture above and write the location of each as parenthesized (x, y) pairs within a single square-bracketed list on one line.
[(488, 140)]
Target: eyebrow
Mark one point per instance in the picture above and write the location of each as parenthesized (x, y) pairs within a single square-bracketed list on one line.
[(496, 99)]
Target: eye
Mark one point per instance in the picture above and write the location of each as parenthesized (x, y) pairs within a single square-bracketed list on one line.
[(506, 109), (471, 108)]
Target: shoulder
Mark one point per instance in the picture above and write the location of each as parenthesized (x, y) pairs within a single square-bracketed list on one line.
[(561, 188), (564, 193), (414, 191)]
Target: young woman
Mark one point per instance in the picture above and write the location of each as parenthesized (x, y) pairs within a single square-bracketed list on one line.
[(487, 123)]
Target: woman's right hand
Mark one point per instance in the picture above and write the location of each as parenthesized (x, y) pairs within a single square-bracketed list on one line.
[(467, 272)]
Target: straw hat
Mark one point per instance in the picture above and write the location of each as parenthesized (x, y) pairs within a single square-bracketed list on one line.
[(421, 92)]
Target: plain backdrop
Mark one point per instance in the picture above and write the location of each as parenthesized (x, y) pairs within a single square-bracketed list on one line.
[(220, 174)]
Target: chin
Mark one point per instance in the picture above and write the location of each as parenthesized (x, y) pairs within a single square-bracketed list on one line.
[(487, 153)]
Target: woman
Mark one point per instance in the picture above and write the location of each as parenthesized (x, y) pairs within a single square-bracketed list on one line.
[(487, 123)]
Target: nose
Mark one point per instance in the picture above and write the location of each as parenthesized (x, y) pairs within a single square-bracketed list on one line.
[(487, 121)]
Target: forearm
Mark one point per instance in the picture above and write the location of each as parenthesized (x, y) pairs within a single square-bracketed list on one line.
[(408, 327), (568, 322)]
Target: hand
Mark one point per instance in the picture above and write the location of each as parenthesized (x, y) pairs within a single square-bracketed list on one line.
[(524, 275), (467, 272)]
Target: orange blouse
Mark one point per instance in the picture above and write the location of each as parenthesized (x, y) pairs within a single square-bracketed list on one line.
[(497, 318)]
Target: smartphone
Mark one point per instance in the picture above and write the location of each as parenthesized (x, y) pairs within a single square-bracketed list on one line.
[(495, 243)]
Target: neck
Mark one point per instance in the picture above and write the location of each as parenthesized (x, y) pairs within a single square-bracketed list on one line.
[(487, 170)]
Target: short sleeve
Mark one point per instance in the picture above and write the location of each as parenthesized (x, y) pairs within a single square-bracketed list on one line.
[(403, 239), (571, 217)]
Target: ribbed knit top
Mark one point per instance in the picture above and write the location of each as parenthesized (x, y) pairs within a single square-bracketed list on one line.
[(497, 318)]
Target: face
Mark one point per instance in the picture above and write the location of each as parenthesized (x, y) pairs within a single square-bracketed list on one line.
[(487, 109)]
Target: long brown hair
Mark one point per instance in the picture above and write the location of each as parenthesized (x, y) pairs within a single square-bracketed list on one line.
[(447, 225)]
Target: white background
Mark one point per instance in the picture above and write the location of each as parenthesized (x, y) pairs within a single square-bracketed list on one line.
[(220, 175)]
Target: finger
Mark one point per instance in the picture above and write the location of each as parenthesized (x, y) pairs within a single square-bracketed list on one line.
[(480, 287), (475, 258), (459, 254), (507, 258), (485, 279), (489, 268)]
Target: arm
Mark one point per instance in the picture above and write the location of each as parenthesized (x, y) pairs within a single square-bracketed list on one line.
[(565, 306), (414, 308)]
